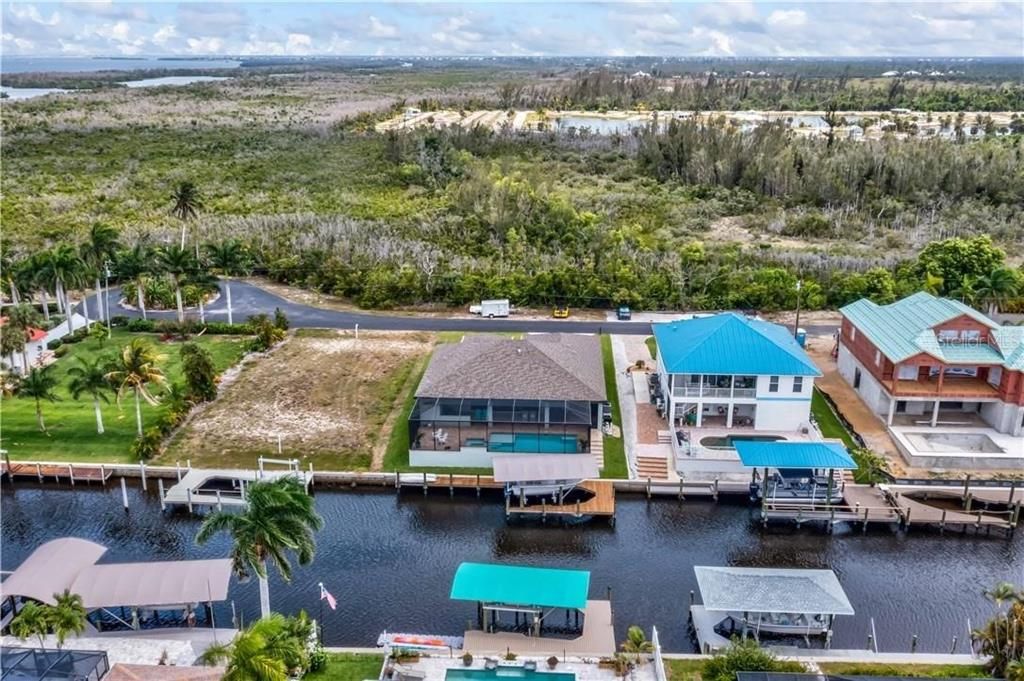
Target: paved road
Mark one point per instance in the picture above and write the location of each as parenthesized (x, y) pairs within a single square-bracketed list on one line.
[(248, 299)]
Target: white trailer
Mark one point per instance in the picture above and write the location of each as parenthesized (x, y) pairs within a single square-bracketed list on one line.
[(491, 308)]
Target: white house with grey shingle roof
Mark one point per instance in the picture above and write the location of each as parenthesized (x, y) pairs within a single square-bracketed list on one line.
[(493, 395)]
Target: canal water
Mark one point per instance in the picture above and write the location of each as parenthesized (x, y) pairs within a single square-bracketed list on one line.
[(389, 559)]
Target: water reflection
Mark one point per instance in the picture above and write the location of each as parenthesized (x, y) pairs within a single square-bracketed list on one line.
[(389, 559)]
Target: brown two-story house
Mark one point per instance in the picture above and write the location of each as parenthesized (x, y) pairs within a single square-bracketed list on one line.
[(933, 361)]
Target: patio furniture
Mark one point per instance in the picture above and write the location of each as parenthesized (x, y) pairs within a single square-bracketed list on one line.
[(530, 665), (490, 663)]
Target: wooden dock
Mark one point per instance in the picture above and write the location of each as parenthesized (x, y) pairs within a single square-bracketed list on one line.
[(865, 504), (602, 504), (57, 472)]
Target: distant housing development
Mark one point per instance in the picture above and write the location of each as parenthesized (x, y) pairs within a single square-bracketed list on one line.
[(945, 379), (491, 395)]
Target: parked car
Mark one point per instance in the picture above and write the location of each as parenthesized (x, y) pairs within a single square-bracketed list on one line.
[(624, 314), (560, 312)]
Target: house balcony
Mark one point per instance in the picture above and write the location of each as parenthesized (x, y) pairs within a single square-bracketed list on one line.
[(733, 387), (951, 388)]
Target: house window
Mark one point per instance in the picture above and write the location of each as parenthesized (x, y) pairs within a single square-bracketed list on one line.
[(798, 384), (773, 384), (878, 358), (853, 333), (856, 378)]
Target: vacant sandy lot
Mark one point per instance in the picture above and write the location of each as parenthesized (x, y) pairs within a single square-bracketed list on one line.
[(325, 393)]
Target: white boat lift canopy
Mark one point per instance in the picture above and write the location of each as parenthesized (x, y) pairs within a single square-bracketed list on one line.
[(544, 468), (768, 590), (70, 564)]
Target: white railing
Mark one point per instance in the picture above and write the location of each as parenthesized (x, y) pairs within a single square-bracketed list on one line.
[(659, 662), (711, 391)]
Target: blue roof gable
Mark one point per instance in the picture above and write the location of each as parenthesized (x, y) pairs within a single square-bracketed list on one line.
[(729, 343)]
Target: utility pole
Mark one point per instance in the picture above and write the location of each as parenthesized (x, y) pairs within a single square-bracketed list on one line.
[(106, 293), (796, 326)]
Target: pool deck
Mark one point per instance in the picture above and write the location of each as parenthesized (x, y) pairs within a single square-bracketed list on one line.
[(436, 668), (597, 639)]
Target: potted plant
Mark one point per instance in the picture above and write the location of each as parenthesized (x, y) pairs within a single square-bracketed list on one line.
[(552, 662), (467, 659)]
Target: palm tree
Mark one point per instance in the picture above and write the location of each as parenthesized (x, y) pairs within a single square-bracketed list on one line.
[(98, 249), (228, 259), (33, 620), (996, 287), (67, 616), (61, 267), (134, 265), (90, 378), (21, 319), (966, 290), (187, 204), (135, 369), (179, 264), (636, 643), (28, 277), (264, 651), (39, 384), (279, 516)]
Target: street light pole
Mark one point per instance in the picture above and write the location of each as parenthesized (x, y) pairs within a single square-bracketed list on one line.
[(796, 326), (106, 293)]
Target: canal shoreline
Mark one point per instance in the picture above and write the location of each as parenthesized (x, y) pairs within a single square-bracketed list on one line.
[(389, 557)]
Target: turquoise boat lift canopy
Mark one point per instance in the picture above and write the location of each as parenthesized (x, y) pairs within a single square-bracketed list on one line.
[(783, 455), (516, 585), (531, 592)]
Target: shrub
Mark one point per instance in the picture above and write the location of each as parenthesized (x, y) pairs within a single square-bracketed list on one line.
[(280, 319), (149, 445), (119, 320), (317, 659), (745, 656), (61, 351), (467, 658), (141, 325), (54, 344), (200, 374)]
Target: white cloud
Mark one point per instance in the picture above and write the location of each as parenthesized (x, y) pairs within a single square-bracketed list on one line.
[(205, 45), (31, 13), (787, 17), (378, 29), (164, 34), (298, 43)]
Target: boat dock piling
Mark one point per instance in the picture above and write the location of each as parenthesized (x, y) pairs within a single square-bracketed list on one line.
[(72, 472)]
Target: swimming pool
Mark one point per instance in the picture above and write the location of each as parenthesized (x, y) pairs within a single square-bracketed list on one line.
[(516, 672), (541, 443), (729, 441)]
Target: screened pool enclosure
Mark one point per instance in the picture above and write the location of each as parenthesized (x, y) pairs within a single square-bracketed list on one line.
[(502, 426)]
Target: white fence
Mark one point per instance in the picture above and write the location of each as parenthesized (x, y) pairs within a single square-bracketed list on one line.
[(659, 662)]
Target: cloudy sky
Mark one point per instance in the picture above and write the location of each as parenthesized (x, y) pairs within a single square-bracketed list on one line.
[(741, 28)]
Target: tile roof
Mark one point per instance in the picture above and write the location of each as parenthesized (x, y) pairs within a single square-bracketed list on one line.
[(551, 366), (730, 343), (905, 328)]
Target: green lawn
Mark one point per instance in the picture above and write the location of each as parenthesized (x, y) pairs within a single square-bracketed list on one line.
[(348, 667), (933, 671), (614, 447), (652, 346), (684, 670), (827, 420), (71, 425)]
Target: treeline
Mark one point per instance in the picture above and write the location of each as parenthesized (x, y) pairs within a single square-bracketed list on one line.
[(603, 89), (771, 161)]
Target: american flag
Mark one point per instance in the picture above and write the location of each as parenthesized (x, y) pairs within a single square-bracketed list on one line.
[(326, 595)]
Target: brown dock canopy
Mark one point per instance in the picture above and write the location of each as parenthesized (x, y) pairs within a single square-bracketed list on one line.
[(71, 564)]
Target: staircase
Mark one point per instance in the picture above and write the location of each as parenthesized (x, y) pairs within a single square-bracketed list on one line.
[(653, 467), (597, 447)]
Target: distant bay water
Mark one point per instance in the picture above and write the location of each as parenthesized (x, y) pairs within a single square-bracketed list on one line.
[(90, 64), (13, 64)]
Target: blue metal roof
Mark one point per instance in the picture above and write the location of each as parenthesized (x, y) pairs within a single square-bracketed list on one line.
[(762, 454), (729, 343)]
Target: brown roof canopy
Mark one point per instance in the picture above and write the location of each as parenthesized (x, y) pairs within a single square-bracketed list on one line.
[(70, 564), (553, 366)]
